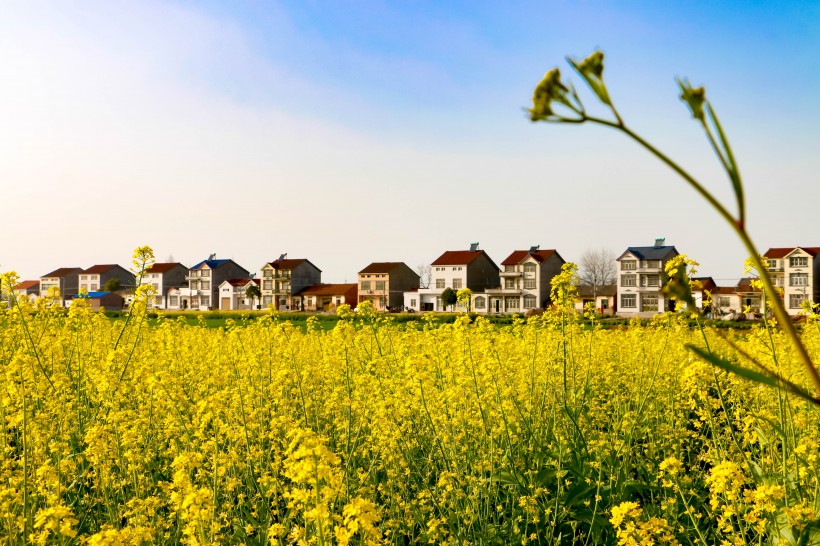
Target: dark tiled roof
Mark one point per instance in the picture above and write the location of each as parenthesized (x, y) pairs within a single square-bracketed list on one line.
[(288, 263), (706, 283), (212, 264), (163, 267), (519, 256), (327, 289), (240, 282), (64, 271), (382, 267), (459, 257), (652, 252), (95, 269), (585, 290)]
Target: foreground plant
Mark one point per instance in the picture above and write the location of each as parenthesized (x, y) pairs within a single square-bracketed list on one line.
[(557, 102)]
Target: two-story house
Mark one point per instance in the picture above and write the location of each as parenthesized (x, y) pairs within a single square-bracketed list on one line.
[(166, 279), (796, 271), (640, 280), (29, 289), (525, 282), (66, 279), (203, 282), (455, 269), (282, 279), (96, 277), (384, 284)]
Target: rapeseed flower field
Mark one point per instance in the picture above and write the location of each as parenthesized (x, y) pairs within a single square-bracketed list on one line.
[(548, 431)]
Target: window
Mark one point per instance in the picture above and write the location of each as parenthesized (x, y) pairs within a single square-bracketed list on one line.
[(511, 303), (509, 283), (604, 303), (629, 265), (796, 300), (628, 301), (205, 301), (653, 280), (93, 288), (155, 287), (799, 261), (268, 273), (480, 302), (529, 284), (157, 300), (649, 302), (772, 264), (509, 269), (457, 284), (653, 264), (206, 285), (529, 268), (723, 302), (267, 300), (206, 273), (83, 277), (365, 285), (267, 285), (413, 303), (798, 279), (439, 283), (628, 280), (173, 301), (380, 285), (454, 269), (529, 302)]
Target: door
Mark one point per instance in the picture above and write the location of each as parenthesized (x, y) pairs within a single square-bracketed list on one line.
[(226, 303)]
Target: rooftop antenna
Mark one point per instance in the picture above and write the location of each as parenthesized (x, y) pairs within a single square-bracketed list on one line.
[(283, 256), (535, 248), (473, 247), (212, 256), (659, 242)]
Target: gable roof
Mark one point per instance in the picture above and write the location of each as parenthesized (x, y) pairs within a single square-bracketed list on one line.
[(745, 285), (651, 252), (327, 289), (163, 267), (96, 269), (212, 264), (290, 263), (25, 285), (461, 257), (778, 253), (64, 272), (519, 256), (241, 282), (731, 290), (383, 267), (706, 283)]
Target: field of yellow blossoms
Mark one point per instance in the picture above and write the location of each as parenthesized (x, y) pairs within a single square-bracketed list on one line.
[(548, 431)]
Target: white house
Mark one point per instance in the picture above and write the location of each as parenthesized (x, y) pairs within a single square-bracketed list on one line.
[(640, 271), (526, 282), (233, 294), (796, 271)]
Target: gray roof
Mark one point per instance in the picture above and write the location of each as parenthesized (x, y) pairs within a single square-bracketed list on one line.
[(652, 252)]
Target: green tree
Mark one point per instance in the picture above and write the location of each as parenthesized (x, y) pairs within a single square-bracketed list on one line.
[(449, 297), (253, 293), (111, 285)]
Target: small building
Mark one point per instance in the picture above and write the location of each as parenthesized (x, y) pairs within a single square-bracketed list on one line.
[(166, 279), (327, 297), (384, 284), (725, 302), (233, 294), (95, 278), (30, 289), (106, 300), (66, 279), (602, 297)]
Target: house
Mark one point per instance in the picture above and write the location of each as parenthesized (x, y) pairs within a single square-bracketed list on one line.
[(639, 274), (525, 282), (797, 271), (602, 297), (750, 297), (725, 302), (204, 279), (384, 284), (455, 269), (702, 288), (166, 279), (30, 289), (66, 279), (282, 279), (95, 278), (234, 293), (98, 300), (327, 297)]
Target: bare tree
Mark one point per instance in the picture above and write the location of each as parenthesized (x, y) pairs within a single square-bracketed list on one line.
[(425, 273), (597, 269)]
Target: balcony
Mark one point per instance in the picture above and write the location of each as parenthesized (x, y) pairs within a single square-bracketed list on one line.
[(504, 291), (510, 274)]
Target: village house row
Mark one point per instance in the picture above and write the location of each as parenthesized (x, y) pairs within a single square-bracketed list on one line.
[(521, 283)]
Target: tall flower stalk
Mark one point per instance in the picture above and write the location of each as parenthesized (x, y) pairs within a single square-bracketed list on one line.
[(557, 102)]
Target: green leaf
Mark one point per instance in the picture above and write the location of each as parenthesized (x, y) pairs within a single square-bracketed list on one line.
[(745, 373)]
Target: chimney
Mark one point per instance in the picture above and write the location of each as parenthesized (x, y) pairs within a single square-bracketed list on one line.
[(659, 242)]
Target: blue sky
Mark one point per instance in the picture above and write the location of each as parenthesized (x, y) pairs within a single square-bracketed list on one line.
[(374, 131)]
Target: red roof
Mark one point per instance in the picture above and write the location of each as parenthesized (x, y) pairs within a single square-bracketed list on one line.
[(64, 272), (25, 285), (327, 289), (724, 290), (240, 282), (706, 283), (163, 267), (95, 269), (459, 257), (519, 256), (289, 263), (382, 267), (777, 253)]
